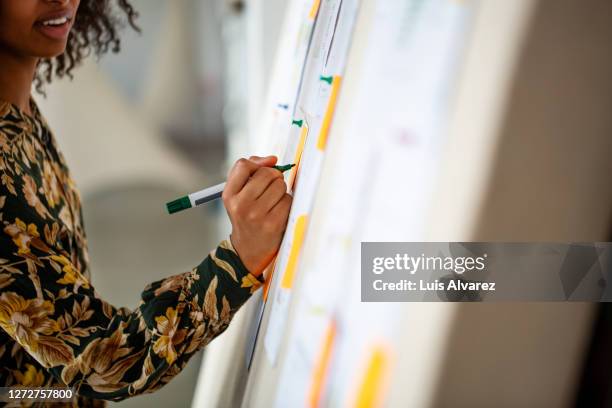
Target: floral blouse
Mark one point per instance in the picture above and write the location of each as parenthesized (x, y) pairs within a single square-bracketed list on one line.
[(56, 329)]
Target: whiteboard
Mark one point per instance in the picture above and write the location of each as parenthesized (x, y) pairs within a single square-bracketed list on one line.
[(373, 98)]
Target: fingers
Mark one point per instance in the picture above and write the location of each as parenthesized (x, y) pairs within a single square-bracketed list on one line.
[(238, 176), (273, 194), (268, 161), (280, 213), (242, 171), (259, 182)]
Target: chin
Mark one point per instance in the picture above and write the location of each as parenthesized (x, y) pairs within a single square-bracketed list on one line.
[(51, 51)]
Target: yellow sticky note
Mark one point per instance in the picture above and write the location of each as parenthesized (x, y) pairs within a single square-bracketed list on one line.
[(298, 238), (319, 375), (329, 114), (314, 9), (298, 157), (373, 384)]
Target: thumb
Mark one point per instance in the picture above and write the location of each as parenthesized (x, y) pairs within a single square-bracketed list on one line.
[(264, 161)]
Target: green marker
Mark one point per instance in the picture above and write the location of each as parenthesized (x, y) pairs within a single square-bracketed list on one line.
[(206, 195)]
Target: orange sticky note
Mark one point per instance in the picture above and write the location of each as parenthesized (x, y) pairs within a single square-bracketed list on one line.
[(298, 239), (298, 157), (373, 385), (319, 375), (314, 9), (329, 114)]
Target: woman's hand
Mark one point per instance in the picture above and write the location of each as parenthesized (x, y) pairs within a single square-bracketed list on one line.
[(258, 205)]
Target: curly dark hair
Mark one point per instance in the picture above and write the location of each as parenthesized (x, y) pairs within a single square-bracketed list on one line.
[(96, 30)]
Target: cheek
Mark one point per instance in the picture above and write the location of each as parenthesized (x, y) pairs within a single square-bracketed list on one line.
[(12, 33), (15, 25), (75, 4)]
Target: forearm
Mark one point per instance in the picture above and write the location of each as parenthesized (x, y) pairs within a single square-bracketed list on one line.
[(111, 353)]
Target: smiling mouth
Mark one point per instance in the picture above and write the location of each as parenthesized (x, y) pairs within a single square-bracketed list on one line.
[(56, 26), (56, 22)]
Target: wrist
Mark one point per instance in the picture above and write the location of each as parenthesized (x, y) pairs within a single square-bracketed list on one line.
[(251, 262)]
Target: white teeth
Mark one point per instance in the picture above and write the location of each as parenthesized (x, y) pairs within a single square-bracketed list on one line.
[(56, 22)]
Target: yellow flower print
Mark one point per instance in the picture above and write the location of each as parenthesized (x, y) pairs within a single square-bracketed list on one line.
[(30, 191), (31, 377), (7, 180), (24, 236), (210, 300), (66, 218), (5, 280), (29, 322), (249, 281), (51, 233), (71, 275), (108, 351), (5, 146), (99, 357), (50, 185), (29, 151), (26, 319), (171, 284), (171, 335)]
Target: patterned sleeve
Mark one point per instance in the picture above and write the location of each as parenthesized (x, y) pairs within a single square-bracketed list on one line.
[(104, 352)]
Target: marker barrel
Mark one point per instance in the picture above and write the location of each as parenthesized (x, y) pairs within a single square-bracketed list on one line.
[(206, 195)]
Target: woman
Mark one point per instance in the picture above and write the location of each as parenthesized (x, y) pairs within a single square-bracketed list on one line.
[(56, 330)]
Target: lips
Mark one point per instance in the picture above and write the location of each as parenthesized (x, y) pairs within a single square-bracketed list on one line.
[(55, 25)]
